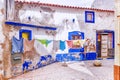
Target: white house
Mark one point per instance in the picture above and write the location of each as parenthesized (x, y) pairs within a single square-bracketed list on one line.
[(45, 20)]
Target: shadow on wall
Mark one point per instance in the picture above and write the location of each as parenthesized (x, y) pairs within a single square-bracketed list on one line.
[(40, 48)]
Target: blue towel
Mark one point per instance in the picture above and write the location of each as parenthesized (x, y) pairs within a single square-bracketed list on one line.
[(62, 45), (17, 45)]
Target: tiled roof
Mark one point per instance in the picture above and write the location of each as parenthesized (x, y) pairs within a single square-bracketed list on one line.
[(58, 3)]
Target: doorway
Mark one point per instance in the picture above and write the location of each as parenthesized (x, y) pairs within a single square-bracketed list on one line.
[(105, 43)]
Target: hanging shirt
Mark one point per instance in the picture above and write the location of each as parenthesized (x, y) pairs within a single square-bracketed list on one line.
[(28, 45), (17, 45), (62, 45), (69, 43)]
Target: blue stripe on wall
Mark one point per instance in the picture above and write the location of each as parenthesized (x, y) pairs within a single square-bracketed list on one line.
[(29, 25)]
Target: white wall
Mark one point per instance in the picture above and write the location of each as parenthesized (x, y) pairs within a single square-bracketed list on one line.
[(2, 37), (62, 19)]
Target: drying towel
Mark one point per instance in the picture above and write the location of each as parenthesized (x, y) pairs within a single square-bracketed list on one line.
[(56, 45), (28, 45), (62, 45), (76, 44), (82, 42), (17, 45), (45, 42), (41, 49), (69, 43)]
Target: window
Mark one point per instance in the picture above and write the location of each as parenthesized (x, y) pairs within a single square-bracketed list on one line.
[(76, 37), (89, 17), (26, 34)]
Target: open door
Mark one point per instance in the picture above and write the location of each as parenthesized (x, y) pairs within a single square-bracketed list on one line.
[(104, 45)]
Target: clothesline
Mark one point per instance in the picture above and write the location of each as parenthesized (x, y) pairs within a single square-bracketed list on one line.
[(18, 46)]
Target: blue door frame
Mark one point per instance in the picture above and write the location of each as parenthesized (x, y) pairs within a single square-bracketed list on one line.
[(105, 31)]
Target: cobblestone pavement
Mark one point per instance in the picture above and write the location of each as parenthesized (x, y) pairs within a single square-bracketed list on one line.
[(82, 70)]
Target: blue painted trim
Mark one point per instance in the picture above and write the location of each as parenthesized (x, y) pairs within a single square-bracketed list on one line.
[(25, 31), (70, 38), (106, 31), (86, 16), (29, 25), (96, 41), (76, 50), (75, 33), (113, 39), (111, 58)]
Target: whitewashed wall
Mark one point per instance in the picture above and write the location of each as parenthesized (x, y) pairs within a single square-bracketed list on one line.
[(2, 37), (61, 18)]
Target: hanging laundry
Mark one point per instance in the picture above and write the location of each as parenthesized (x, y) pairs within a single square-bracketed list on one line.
[(17, 45), (69, 43), (40, 49), (76, 44), (28, 45), (45, 42), (82, 42), (48, 41), (62, 45), (56, 45)]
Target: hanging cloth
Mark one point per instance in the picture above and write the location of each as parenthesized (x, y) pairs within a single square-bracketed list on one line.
[(76, 44), (82, 42), (28, 45), (56, 45), (17, 45), (62, 45), (45, 42), (40, 49), (69, 43), (48, 42)]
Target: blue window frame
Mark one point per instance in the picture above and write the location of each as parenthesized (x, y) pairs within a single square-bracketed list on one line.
[(25, 31), (89, 16)]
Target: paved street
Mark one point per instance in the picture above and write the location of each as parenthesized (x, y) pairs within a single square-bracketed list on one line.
[(82, 70)]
